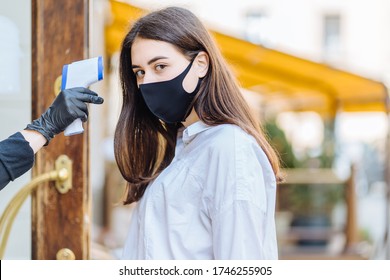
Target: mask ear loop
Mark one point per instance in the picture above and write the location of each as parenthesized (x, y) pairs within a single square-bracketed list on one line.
[(195, 90)]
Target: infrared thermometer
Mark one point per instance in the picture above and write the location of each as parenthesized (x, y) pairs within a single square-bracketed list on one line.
[(81, 73)]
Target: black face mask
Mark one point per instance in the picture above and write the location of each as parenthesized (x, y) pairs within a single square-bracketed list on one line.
[(168, 100)]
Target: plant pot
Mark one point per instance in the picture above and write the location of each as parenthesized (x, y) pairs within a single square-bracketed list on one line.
[(311, 230)]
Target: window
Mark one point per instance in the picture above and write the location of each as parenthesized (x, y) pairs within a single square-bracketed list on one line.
[(257, 27), (332, 36)]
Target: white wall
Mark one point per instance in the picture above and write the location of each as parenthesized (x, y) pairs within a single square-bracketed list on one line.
[(15, 113), (97, 114), (296, 27)]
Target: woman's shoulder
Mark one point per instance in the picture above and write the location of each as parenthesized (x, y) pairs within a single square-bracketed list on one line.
[(227, 137)]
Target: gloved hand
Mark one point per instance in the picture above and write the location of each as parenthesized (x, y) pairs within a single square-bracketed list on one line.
[(68, 106)]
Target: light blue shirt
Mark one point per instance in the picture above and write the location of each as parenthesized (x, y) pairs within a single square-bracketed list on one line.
[(216, 200)]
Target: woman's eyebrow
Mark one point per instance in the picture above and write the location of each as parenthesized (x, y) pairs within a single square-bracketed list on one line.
[(154, 59)]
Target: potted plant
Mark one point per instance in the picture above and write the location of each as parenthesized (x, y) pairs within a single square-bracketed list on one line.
[(311, 204)]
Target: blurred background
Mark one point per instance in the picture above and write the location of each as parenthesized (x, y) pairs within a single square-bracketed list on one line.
[(314, 72)]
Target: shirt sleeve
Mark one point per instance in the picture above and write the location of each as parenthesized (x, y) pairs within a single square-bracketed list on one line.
[(16, 158), (243, 206), (238, 232)]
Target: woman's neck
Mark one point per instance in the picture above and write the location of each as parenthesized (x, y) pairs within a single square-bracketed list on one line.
[(192, 118)]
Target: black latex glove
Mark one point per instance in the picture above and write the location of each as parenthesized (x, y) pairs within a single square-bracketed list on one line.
[(70, 104)]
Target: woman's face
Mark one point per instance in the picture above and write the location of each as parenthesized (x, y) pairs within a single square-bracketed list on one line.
[(157, 61)]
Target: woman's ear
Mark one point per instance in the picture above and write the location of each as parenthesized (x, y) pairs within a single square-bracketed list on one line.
[(202, 63)]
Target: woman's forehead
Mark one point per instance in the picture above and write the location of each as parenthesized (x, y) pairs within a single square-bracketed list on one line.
[(143, 50)]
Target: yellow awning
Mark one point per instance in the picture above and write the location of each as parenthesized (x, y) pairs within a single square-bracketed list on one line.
[(291, 82)]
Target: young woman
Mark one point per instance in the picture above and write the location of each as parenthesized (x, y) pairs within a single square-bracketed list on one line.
[(196, 162)]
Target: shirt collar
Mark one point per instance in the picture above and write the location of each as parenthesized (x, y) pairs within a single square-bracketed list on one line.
[(194, 129)]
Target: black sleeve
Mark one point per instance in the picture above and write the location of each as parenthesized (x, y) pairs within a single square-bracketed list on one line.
[(16, 158)]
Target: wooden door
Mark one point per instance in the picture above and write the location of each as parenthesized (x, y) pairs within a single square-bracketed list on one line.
[(59, 221)]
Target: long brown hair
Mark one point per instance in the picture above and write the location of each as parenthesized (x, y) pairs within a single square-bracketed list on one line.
[(144, 146)]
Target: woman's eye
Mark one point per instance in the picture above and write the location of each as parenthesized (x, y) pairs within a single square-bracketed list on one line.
[(139, 73), (160, 67)]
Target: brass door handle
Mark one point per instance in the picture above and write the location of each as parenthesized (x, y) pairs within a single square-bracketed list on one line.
[(62, 176), (57, 85), (65, 254)]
